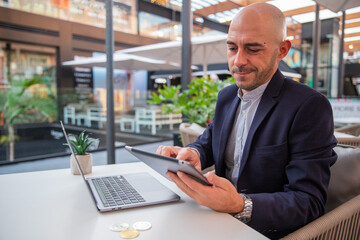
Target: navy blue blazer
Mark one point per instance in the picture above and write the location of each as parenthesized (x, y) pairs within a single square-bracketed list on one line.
[(285, 167)]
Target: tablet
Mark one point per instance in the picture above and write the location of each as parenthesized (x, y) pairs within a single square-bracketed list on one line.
[(162, 164)]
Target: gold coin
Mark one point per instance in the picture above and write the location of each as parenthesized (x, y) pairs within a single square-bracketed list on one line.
[(129, 233)]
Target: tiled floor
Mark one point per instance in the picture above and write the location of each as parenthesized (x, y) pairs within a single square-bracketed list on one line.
[(99, 158)]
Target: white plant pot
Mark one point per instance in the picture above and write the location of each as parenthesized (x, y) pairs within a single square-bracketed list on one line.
[(85, 162)]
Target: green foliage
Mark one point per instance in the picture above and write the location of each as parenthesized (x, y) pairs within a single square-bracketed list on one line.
[(81, 143), (197, 103), (25, 101), (5, 139), (28, 100)]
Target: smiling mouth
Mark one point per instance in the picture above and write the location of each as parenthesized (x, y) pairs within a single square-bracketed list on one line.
[(243, 73)]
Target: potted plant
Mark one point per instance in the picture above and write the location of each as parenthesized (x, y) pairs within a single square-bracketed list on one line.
[(197, 103), (80, 144)]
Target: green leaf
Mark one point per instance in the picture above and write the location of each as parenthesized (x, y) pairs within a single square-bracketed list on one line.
[(81, 143), (197, 103)]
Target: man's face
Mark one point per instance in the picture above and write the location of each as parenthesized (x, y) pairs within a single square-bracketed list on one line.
[(253, 52)]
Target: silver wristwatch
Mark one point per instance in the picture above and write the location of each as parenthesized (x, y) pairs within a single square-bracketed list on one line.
[(245, 215)]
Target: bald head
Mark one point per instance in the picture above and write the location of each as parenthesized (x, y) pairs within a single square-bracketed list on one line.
[(265, 16), (256, 44)]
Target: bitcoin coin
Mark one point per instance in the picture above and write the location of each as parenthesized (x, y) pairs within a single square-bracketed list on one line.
[(118, 227), (142, 226), (129, 233)]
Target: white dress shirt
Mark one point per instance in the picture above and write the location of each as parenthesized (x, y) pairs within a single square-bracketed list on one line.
[(243, 119)]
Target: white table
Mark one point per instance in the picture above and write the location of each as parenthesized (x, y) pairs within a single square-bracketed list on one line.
[(57, 205)]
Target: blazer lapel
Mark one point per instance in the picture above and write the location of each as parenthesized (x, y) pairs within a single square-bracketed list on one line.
[(267, 102), (227, 126)]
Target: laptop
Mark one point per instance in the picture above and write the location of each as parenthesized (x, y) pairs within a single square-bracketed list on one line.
[(124, 191)]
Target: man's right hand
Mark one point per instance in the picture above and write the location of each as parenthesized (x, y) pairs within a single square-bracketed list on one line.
[(186, 154)]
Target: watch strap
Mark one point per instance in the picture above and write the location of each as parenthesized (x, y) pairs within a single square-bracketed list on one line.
[(245, 215)]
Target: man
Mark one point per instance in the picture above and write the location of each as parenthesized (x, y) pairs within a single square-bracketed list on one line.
[(271, 139)]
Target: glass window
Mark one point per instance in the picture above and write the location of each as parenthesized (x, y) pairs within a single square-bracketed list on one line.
[(28, 94), (154, 26), (89, 12)]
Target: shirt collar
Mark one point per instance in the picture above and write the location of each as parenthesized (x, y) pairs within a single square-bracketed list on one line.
[(253, 94)]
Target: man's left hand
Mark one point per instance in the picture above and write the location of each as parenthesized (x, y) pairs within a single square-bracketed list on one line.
[(221, 196)]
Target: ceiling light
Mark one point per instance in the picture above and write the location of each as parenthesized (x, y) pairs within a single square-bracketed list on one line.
[(160, 80), (351, 39), (353, 10), (352, 20), (352, 30), (199, 20), (286, 5), (310, 17)]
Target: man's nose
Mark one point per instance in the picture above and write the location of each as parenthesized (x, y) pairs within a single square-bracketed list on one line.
[(240, 59)]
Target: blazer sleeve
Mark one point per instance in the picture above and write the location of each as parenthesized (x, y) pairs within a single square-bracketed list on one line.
[(310, 154)]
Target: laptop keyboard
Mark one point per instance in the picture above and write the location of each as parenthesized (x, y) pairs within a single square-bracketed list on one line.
[(115, 191)]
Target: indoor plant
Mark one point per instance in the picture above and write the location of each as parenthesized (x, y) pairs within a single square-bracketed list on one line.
[(26, 100), (197, 103), (80, 144)]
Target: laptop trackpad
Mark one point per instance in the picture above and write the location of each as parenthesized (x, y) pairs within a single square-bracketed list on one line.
[(144, 182)]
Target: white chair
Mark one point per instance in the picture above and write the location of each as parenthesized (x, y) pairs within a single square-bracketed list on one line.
[(127, 124), (174, 118), (69, 113), (145, 116), (81, 119), (154, 117), (95, 115)]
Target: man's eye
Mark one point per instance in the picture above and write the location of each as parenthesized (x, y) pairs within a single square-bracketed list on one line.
[(254, 50), (231, 48)]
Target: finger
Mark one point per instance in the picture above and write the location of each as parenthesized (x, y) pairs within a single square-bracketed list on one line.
[(200, 193), (167, 151), (158, 150), (171, 175), (195, 186), (184, 154), (189, 155), (181, 184), (219, 182)]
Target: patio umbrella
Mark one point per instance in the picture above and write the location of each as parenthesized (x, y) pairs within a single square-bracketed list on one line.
[(125, 62), (205, 50)]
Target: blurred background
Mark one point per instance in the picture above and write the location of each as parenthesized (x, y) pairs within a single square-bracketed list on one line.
[(39, 87)]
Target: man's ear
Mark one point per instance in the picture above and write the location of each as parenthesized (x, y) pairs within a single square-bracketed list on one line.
[(284, 48)]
